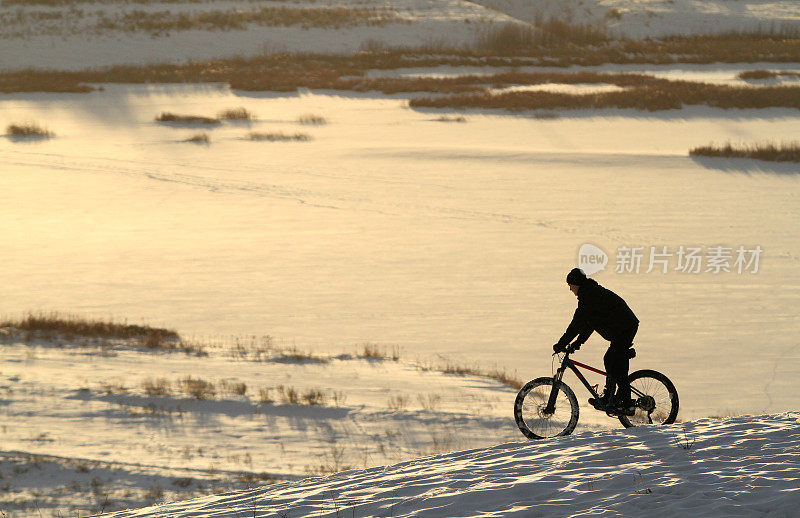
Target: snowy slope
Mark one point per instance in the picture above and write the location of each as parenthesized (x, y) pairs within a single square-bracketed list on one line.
[(79, 36), (746, 466), (656, 18)]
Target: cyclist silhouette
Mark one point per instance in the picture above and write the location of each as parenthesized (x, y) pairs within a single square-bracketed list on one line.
[(602, 310)]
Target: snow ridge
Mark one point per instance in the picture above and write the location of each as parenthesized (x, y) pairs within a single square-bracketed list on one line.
[(743, 466)]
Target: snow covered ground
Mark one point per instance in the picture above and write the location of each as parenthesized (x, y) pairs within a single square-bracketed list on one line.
[(88, 425), (447, 240), (745, 466), (78, 36), (656, 18), (393, 227)]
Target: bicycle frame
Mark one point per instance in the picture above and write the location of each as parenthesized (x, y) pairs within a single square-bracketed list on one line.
[(573, 366)]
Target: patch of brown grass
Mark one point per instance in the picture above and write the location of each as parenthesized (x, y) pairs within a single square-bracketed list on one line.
[(764, 74), (237, 388), (185, 119), (264, 396), (449, 118), (784, 152), (310, 118), (157, 387), (519, 38), (373, 351), (653, 96), (500, 375), (291, 396), (199, 138), (52, 324), (198, 388), (397, 402), (295, 355), (235, 114), (28, 129), (277, 137), (164, 22), (287, 72)]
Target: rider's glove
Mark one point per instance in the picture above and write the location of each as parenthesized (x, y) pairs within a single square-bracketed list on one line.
[(559, 348), (574, 347)]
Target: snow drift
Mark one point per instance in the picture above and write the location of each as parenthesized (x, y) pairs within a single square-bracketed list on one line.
[(742, 466)]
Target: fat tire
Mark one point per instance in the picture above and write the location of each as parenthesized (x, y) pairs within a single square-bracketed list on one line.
[(519, 411), (671, 413)]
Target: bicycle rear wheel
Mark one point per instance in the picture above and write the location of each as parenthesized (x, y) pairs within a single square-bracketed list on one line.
[(656, 400), (529, 412)]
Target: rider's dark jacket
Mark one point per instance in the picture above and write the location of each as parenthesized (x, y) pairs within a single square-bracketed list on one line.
[(601, 310)]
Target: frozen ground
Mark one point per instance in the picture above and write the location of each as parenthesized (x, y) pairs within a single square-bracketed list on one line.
[(393, 227), (83, 427), (448, 240), (74, 37), (745, 466), (656, 18)]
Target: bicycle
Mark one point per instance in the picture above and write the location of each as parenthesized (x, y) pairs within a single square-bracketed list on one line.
[(547, 407)]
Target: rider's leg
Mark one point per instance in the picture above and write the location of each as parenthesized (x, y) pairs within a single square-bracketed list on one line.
[(611, 361), (617, 363)]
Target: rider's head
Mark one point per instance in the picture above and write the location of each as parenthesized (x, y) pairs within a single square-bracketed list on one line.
[(575, 279)]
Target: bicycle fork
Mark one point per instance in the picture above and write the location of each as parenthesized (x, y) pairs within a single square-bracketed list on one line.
[(551, 401)]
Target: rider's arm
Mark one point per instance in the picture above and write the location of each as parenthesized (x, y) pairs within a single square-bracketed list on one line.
[(584, 335), (578, 327)]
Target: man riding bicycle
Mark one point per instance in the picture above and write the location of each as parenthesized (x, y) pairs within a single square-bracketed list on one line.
[(602, 310)]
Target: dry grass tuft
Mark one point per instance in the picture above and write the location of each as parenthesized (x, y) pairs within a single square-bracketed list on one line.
[(185, 119), (157, 387), (291, 396), (295, 355), (113, 387), (454, 118), (314, 397), (310, 118), (199, 138), (235, 114), (554, 44), (650, 95), (264, 396), (198, 388), (288, 395), (52, 324), (429, 402), (515, 38), (277, 137), (470, 370), (239, 18), (28, 129), (397, 402), (233, 387), (764, 74), (373, 351), (784, 152)]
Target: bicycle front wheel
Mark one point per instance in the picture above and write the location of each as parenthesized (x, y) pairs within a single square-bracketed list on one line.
[(530, 415), (656, 399)]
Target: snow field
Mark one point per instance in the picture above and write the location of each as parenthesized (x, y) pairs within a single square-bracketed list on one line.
[(78, 39), (744, 466)]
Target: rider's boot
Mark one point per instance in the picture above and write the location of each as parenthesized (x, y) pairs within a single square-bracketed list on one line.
[(602, 403), (623, 405)]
